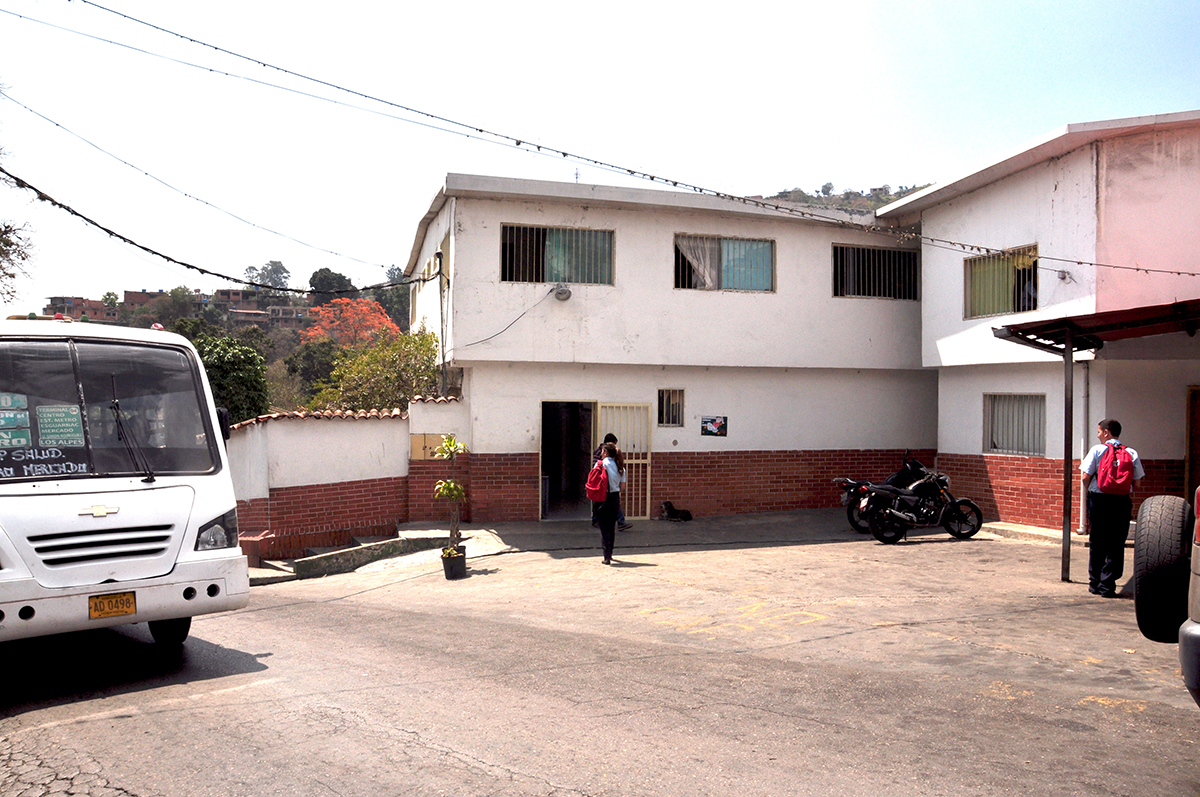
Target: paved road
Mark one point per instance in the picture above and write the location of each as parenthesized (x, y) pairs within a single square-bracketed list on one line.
[(712, 662)]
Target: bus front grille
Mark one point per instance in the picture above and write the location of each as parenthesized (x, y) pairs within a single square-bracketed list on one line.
[(58, 549)]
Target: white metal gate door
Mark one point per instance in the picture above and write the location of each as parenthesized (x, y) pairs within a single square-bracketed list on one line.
[(631, 424)]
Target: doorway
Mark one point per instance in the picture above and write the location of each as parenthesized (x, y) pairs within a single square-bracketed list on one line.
[(567, 431)]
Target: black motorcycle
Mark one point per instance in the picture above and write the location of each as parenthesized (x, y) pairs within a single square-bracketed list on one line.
[(892, 511), (854, 491)]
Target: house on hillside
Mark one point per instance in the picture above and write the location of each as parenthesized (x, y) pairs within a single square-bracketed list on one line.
[(1092, 218), (743, 356)]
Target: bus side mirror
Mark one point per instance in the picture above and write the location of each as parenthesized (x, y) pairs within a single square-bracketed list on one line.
[(223, 419)]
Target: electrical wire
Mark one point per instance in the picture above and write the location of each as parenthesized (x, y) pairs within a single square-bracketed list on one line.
[(510, 323), (479, 133), (44, 197), (158, 180)]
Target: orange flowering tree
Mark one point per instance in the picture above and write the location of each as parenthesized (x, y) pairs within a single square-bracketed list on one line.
[(349, 322)]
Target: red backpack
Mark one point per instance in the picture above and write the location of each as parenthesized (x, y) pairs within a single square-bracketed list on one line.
[(1114, 474), (597, 482)]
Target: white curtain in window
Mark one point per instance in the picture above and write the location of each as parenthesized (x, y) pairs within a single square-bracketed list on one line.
[(705, 256)]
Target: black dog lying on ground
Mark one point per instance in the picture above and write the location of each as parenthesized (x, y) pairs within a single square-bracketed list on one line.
[(669, 512)]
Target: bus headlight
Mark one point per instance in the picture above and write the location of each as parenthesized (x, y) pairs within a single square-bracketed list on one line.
[(218, 533)]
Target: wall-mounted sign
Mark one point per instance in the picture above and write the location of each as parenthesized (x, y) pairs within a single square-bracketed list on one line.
[(714, 425)]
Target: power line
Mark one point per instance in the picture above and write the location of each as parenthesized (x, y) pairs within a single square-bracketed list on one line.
[(476, 131), (44, 197), (479, 133), (97, 147)]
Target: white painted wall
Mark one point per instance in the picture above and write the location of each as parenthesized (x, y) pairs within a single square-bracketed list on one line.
[(1149, 217), (425, 307), (1052, 204), (960, 401), (444, 417), (642, 319), (247, 448), (294, 452), (1148, 397), (768, 409)]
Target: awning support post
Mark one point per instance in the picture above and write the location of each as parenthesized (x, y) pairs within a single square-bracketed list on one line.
[(1068, 450)]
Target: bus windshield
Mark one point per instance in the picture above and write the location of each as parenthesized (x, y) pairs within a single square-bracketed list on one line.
[(86, 409)]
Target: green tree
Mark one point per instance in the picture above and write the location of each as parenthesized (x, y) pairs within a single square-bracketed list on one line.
[(193, 328), (385, 375), (254, 337), (328, 285), (238, 376), (273, 274), (110, 300), (313, 362), (172, 306), (15, 249), (395, 300)]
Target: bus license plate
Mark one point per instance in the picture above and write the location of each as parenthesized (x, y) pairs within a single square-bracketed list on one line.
[(116, 604)]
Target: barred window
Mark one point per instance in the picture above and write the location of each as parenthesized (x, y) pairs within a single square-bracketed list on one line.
[(670, 407), (1014, 424), (1000, 283), (875, 273), (556, 254), (709, 263)]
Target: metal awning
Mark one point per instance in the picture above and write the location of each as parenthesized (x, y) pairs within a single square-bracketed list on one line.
[(1092, 331), (1065, 336)]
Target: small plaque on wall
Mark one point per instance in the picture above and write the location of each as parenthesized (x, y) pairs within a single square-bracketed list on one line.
[(714, 425)]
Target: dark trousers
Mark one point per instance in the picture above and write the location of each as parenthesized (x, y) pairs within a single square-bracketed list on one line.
[(1109, 515), (607, 515)]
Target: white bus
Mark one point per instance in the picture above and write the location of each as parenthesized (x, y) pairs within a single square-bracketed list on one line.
[(116, 502)]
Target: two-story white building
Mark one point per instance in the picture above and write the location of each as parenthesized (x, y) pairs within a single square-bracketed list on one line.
[(745, 356), (1093, 218)]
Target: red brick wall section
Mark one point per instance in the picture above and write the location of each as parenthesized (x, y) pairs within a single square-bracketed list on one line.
[(505, 487), (324, 515), (1028, 490), (734, 482)]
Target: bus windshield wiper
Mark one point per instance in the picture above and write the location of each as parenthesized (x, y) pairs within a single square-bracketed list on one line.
[(142, 464)]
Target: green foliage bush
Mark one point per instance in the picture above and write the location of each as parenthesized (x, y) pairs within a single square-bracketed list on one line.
[(238, 376)]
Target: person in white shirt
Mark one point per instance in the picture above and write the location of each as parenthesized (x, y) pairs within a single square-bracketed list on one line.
[(1108, 513)]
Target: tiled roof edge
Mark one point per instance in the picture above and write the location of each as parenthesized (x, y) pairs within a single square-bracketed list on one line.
[(325, 415)]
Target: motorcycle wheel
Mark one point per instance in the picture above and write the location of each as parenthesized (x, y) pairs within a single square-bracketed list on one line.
[(887, 529), (963, 519), (856, 519)]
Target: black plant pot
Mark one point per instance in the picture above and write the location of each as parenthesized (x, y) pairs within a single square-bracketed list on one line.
[(456, 566)]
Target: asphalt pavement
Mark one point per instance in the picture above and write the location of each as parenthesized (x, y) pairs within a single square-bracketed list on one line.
[(762, 529)]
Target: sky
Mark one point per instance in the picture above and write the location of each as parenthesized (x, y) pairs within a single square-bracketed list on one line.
[(227, 162)]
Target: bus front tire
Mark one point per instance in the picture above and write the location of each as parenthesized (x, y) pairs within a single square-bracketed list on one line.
[(170, 633)]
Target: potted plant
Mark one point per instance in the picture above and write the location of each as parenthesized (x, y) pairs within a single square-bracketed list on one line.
[(454, 555)]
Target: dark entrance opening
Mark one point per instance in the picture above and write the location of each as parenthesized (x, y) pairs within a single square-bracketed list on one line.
[(566, 459)]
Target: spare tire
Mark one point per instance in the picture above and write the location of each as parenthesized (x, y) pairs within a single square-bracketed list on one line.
[(1162, 547)]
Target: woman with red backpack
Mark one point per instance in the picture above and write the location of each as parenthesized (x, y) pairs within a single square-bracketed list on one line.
[(614, 467)]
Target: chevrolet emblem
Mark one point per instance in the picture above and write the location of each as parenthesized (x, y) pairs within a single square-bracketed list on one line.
[(100, 510)]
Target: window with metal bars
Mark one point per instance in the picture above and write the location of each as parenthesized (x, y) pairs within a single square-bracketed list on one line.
[(670, 407), (863, 271), (1014, 424), (709, 263), (1001, 283), (556, 254)]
